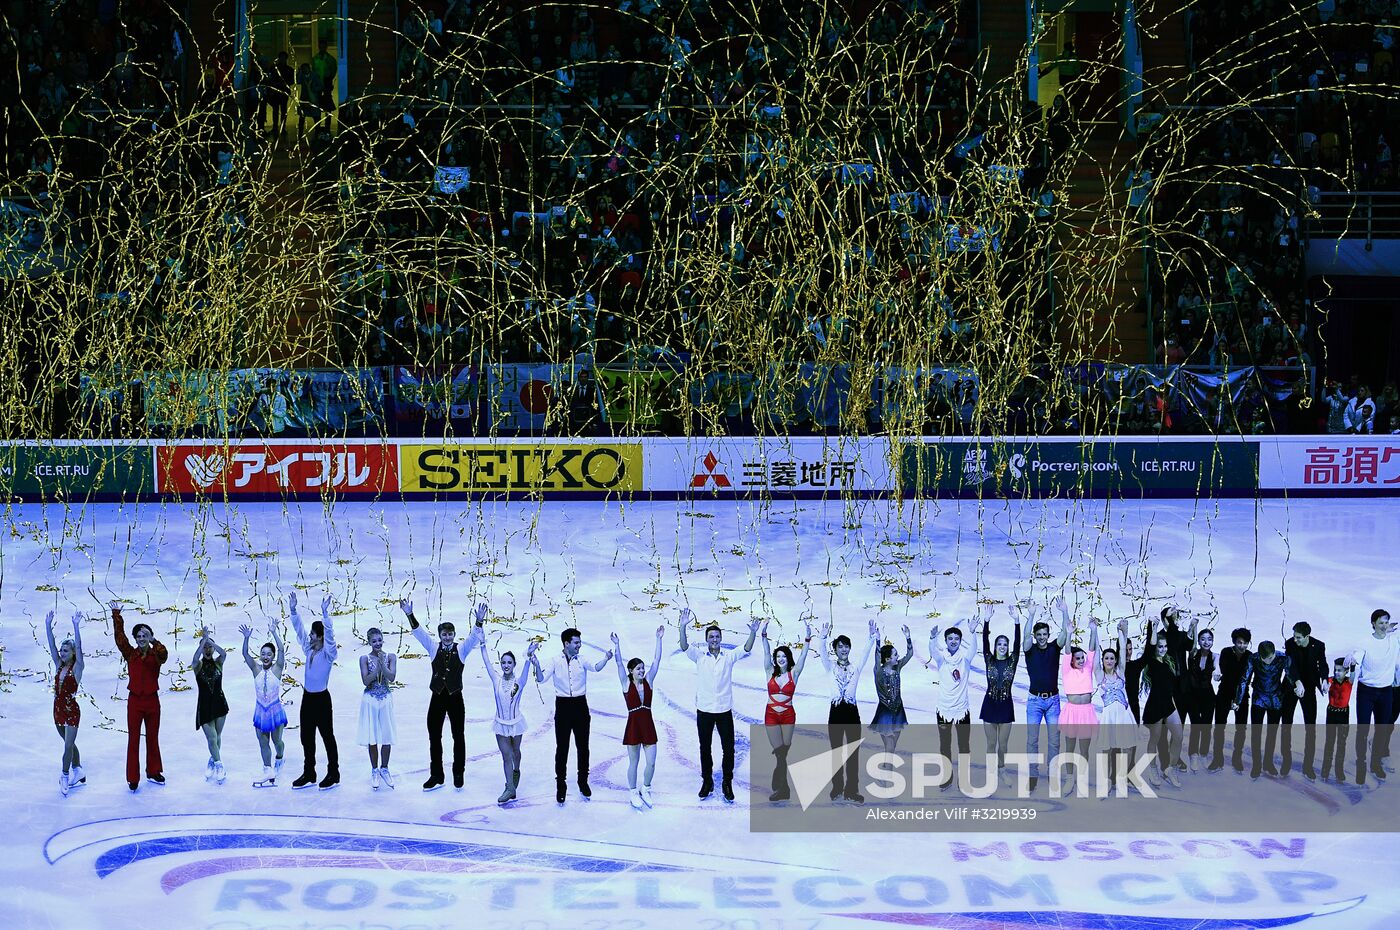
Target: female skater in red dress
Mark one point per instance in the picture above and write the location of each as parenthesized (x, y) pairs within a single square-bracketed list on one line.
[(779, 717), (68, 662), (640, 734)]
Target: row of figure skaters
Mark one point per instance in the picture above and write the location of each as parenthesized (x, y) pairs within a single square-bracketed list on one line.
[(1076, 691)]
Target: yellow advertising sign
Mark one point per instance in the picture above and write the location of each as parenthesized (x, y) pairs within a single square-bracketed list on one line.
[(543, 467)]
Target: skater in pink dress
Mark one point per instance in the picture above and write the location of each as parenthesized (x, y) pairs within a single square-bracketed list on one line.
[(1078, 719), (639, 736)]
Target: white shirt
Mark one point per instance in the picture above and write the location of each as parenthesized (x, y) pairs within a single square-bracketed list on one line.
[(319, 662), (714, 677), (844, 680), (1376, 661), (952, 678), (464, 646), (570, 676)]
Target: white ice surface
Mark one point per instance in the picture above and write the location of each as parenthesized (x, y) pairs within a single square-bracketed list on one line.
[(234, 857)]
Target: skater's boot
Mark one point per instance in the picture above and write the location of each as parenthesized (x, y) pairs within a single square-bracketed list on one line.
[(781, 791)]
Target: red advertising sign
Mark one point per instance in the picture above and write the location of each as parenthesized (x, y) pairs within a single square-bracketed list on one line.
[(254, 468)]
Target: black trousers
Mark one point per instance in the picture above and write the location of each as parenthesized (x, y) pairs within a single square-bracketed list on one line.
[(451, 707), (317, 717), (1257, 716), (843, 726), (1202, 716), (1334, 746), (571, 717), (1291, 702), (1222, 720), (945, 734), (706, 723)]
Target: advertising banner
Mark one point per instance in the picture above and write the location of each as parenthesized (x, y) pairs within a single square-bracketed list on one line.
[(54, 471), (739, 465), (1331, 463), (603, 467), (1028, 468), (216, 469)]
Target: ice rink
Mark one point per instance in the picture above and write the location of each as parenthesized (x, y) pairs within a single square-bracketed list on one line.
[(230, 857)]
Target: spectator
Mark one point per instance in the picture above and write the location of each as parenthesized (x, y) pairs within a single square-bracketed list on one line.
[(1360, 414)]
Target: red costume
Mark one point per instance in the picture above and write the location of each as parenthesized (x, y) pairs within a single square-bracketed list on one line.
[(641, 729), (779, 710), (66, 712), (143, 701)]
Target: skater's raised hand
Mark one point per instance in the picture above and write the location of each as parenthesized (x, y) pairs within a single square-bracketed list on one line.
[(687, 617), (481, 610), (115, 606), (617, 644), (326, 605), (763, 630), (246, 630), (907, 635), (530, 650), (874, 630), (660, 632), (48, 620), (406, 606), (292, 602), (754, 625)]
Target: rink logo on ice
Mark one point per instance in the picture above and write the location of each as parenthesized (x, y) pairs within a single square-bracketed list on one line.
[(250, 867), (531, 467), (251, 468)]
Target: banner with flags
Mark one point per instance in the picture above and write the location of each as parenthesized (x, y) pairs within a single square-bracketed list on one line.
[(523, 398), (903, 394), (178, 402), (638, 398), (804, 395), (430, 395)]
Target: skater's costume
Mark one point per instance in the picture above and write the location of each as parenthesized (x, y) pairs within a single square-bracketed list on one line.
[(66, 712), (641, 729), (268, 712)]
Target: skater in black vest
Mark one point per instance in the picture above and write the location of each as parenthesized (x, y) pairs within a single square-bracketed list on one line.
[(449, 656)]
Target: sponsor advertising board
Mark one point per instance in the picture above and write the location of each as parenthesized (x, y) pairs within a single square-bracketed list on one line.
[(810, 465), (1029, 468), (601, 467), (74, 471), (292, 468), (1331, 463)]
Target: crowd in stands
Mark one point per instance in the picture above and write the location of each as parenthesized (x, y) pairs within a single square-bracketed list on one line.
[(568, 173), (1322, 114), (66, 64), (1334, 60)]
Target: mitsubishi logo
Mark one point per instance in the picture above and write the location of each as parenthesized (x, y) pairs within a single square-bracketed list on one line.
[(701, 479)]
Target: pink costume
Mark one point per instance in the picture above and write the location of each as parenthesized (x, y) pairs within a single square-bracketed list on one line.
[(1078, 721)]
